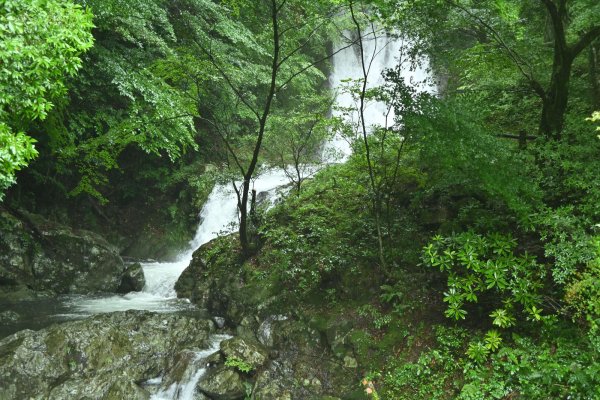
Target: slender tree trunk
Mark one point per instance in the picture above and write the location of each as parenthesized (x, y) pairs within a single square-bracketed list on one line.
[(594, 63), (262, 123), (243, 208), (376, 196)]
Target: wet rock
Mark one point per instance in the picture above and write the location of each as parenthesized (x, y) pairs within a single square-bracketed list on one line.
[(222, 383), (244, 350), (293, 372), (133, 279), (265, 329), (180, 370), (110, 388), (105, 355), (43, 255), (247, 328), (338, 337), (7, 317), (215, 280), (219, 321)]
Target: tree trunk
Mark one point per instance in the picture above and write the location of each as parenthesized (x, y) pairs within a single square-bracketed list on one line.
[(243, 207), (555, 102), (594, 63), (556, 97), (262, 124), (376, 195)]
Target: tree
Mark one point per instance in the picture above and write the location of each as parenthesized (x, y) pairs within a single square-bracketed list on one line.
[(121, 98), (556, 95), (568, 27), (40, 45), (294, 28), (382, 146), (295, 138)]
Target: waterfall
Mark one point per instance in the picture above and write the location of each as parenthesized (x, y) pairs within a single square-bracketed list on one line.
[(381, 51), (185, 389), (219, 214)]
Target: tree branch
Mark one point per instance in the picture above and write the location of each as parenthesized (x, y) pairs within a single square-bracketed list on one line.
[(225, 76), (584, 41), (516, 58)]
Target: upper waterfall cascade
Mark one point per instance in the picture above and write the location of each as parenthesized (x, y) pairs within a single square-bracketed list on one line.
[(381, 51)]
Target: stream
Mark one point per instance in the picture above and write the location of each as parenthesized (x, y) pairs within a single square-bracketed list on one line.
[(219, 216)]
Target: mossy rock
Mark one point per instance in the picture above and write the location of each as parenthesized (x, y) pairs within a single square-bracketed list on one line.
[(109, 352)]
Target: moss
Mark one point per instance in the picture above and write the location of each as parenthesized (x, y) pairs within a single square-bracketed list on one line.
[(55, 341)]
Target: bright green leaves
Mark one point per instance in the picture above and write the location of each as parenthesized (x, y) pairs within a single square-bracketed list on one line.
[(502, 318), (486, 266), (479, 351), (127, 94), (493, 340), (509, 12), (238, 364), (40, 44), (16, 150)]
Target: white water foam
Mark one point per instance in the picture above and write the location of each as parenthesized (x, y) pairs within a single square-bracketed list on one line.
[(186, 389), (218, 216), (381, 51)]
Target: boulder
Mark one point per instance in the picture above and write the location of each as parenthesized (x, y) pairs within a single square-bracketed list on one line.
[(105, 355), (45, 256), (244, 350), (222, 383), (216, 281), (133, 279), (293, 372)]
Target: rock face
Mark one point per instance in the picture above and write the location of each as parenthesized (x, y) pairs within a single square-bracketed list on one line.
[(244, 350), (45, 256), (305, 367), (222, 383), (213, 280), (101, 357), (290, 357), (133, 279)]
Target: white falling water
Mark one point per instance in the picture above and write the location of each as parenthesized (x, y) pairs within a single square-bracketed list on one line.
[(185, 389), (380, 51), (218, 216)]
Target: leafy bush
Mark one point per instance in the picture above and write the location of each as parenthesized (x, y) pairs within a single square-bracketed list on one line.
[(240, 365), (479, 265), (561, 365)]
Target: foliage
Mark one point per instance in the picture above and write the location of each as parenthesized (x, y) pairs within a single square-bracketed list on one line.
[(496, 50), (41, 44), (479, 266), (559, 365), (462, 158), (583, 294), (238, 364), (294, 139), (120, 99), (566, 172), (16, 150), (318, 237), (595, 118)]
